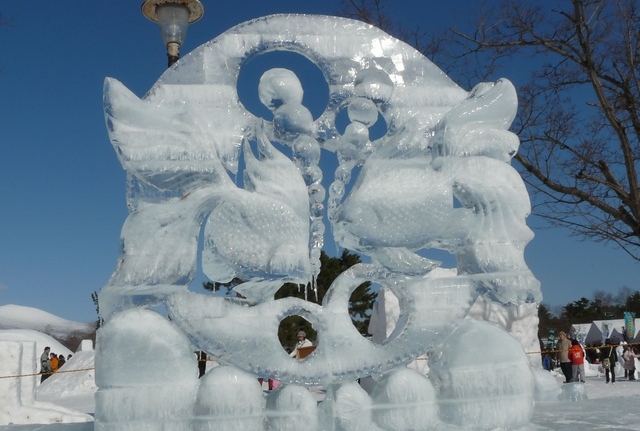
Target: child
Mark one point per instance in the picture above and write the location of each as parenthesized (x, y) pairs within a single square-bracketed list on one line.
[(576, 354)]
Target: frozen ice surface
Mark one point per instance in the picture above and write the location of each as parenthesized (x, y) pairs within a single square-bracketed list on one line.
[(439, 178)]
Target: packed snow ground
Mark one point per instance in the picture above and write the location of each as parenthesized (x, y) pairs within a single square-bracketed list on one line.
[(608, 407)]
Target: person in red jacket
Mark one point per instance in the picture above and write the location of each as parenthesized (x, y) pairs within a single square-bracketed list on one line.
[(576, 354)]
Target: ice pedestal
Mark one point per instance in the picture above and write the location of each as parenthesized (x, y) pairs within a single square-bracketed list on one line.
[(146, 373), (573, 391)]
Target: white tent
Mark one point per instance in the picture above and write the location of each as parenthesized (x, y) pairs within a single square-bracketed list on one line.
[(599, 330)]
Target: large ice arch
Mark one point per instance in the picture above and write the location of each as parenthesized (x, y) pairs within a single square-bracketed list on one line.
[(440, 178)]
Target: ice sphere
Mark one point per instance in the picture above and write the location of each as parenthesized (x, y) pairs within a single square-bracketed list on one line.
[(490, 389), (278, 87), (292, 120), (307, 149), (291, 408), (348, 407), (363, 110), (228, 400), (374, 84), (405, 400)]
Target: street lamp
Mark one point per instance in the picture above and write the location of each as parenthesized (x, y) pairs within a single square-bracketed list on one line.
[(173, 16)]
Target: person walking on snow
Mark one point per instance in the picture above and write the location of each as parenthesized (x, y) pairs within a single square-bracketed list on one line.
[(608, 359)]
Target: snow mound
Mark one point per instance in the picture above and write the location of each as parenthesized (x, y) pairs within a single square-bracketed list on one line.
[(41, 340), (75, 378), (19, 317)]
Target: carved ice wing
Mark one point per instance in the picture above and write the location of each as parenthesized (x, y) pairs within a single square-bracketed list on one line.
[(165, 144), (261, 232), (478, 126), (275, 176)]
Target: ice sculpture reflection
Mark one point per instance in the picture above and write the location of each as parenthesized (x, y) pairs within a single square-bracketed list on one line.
[(440, 178)]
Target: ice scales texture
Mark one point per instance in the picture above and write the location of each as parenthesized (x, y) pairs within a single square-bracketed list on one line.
[(439, 178)]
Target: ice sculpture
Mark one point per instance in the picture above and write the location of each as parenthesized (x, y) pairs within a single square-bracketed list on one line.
[(440, 178)]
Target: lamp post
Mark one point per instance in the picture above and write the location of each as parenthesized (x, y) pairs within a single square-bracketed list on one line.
[(173, 17)]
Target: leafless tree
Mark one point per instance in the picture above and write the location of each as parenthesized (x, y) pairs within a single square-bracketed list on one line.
[(579, 116)]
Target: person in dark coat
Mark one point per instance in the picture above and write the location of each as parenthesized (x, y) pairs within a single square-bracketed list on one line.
[(202, 362), (608, 359)]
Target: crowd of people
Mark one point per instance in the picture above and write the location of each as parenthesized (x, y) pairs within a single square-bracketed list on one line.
[(570, 355), (50, 363)]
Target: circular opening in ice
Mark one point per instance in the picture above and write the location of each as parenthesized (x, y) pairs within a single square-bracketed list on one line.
[(376, 131)]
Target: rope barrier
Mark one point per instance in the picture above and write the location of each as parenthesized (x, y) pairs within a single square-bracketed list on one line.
[(47, 374), (211, 360), (585, 348), (67, 371)]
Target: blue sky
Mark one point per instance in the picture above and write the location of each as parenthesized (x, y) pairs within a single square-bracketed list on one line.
[(63, 189)]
